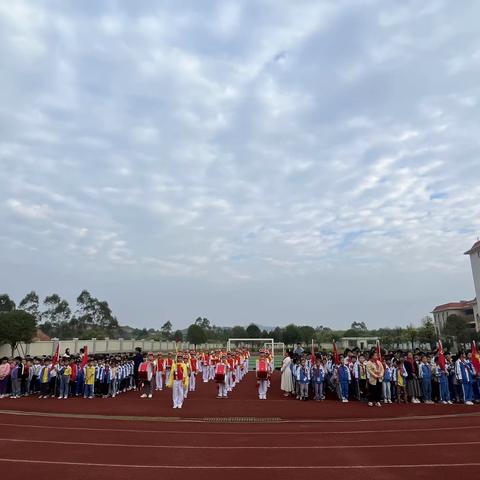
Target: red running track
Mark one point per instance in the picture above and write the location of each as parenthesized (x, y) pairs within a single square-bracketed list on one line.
[(391, 442)]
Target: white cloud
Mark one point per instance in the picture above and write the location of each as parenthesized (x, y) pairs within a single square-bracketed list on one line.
[(243, 143)]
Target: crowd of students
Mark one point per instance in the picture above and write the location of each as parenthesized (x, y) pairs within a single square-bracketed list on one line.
[(400, 377), (108, 376)]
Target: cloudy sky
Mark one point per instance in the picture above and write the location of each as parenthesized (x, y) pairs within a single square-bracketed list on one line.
[(268, 161)]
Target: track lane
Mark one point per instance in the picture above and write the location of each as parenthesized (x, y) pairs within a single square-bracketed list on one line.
[(234, 439)]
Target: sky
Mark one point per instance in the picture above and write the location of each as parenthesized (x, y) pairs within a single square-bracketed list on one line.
[(247, 161)]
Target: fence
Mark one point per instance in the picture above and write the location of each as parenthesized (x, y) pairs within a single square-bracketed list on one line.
[(107, 345)]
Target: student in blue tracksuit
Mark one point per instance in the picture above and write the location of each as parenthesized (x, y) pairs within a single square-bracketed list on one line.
[(464, 377), (318, 377), (344, 378), (387, 379), (80, 378), (425, 374), (442, 376), (475, 378), (303, 378)]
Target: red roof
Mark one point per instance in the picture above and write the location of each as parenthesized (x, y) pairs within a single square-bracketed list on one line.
[(454, 306), (474, 249)]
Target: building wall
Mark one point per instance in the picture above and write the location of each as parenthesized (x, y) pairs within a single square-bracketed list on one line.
[(475, 262), (440, 318), (476, 313)]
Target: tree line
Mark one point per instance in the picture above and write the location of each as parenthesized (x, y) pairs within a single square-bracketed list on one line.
[(93, 318)]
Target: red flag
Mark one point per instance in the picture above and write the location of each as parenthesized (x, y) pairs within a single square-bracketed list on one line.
[(441, 356), (56, 356), (313, 358), (475, 358), (336, 360), (378, 349), (84, 357)]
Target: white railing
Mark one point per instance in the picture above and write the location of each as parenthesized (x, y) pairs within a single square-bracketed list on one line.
[(107, 345)]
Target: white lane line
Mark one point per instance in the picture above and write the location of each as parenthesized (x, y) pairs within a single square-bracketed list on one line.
[(240, 447), (240, 467), (240, 432), (169, 419)]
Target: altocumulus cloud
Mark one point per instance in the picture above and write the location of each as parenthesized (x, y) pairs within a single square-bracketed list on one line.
[(267, 160)]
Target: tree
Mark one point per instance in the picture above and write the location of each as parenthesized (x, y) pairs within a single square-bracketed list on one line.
[(276, 334), (196, 334), (94, 313), (253, 331), (238, 332), (307, 333), (166, 330), (16, 326), (291, 334), (427, 333), (6, 303), (30, 304), (361, 326), (57, 311), (411, 335), (178, 336), (457, 326), (203, 322)]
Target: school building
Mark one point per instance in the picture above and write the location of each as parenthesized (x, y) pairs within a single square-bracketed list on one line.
[(468, 309)]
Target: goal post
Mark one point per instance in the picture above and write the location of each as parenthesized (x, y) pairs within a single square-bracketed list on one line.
[(264, 343)]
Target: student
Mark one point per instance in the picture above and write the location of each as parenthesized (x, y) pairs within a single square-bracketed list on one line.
[(205, 367), (360, 375), (45, 379), (387, 391), (53, 378), (318, 376), (262, 369), (80, 384), (26, 377), (64, 373), (221, 377), (464, 377), (35, 375), (344, 379), (425, 375), (145, 376), (442, 376), (16, 377), (89, 380), (400, 378), (159, 372), (168, 366), (177, 380), (303, 378), (194, 369), (114, 379), (4, 376)]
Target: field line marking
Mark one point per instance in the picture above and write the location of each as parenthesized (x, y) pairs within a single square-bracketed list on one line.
[(240, 447), (240, 432), (240, 467)]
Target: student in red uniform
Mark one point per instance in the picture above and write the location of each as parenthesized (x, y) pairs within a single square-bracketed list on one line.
[(205, 366), (145, 372), (193, 371), (159, 372), (221, 375), (262, 376), (177, 381)]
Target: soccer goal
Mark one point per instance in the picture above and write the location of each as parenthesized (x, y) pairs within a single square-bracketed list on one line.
[(268, 343)]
